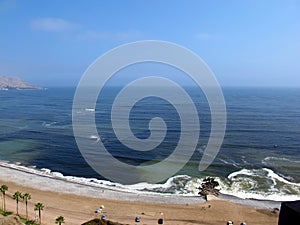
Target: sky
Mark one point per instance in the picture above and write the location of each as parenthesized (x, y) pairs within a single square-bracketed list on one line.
[(245, 43)]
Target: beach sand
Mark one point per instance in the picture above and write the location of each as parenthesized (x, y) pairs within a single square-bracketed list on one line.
[(80, 206)]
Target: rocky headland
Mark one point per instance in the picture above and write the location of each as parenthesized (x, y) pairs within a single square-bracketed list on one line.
[(16, 83)]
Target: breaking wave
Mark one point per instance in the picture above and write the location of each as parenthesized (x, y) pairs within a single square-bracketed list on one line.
[(262, 184)]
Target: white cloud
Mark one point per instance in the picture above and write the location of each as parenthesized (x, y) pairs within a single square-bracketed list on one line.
[(61, 25), (52, 25), (203, 36)]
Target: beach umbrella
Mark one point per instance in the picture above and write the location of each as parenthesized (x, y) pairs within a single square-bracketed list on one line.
[(102, 206)]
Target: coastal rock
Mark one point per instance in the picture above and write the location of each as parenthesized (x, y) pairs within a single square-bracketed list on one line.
[(208, 188), (14, 82)]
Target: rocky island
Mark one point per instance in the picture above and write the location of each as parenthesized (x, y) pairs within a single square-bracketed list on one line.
[(16, 83)]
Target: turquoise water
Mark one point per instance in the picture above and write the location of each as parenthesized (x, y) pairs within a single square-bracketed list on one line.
[(259, 158)]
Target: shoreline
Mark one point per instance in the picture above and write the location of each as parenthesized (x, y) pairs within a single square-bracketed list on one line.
[(77, 203), (46, 182), (49, 183)]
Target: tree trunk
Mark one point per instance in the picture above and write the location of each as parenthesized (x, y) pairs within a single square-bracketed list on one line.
[(26, 211), (4, 204), (17, 208), (40, 217)]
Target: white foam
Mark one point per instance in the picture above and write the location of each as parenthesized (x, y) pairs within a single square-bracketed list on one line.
[(272, 158), (241, 172), (231, 162), (270, 173), (245, 176), (275, 161), (275, 177), (46, 171), (183, 185), (57, 174), (168, 184), (90, 110), (49, 182), (49, 124), (94, 137)]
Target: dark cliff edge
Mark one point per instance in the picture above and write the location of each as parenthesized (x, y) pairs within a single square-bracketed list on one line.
[(16, 83)]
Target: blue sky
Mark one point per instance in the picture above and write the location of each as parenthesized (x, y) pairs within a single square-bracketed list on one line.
[(245, 43)]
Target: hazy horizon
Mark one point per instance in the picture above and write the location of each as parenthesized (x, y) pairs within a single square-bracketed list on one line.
[(245, 43)]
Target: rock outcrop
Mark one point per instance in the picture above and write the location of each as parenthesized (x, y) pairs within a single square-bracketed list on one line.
[(208, 187), (14, 82)]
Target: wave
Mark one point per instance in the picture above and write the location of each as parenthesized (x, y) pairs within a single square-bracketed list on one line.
[(56, 125), (90, 110), (260, 184), (278, 161)]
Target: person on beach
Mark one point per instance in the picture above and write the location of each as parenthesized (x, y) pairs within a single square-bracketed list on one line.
[(161, 220), (98, 210), (138, 219), (103, 217)]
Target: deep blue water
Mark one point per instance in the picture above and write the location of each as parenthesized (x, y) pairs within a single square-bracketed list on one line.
[(261, 145)]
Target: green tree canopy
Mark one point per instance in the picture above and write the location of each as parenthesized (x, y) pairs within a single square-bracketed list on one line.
[(59, 220)]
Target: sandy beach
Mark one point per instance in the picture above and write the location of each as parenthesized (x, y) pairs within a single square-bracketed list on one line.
[(77, 203)]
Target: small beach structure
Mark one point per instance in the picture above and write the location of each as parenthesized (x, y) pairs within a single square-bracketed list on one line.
[(289, 213)]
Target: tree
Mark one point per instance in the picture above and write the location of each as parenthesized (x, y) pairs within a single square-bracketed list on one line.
[(17, 196), (3, 189), (39, 206), (26, 197), (60, 220)]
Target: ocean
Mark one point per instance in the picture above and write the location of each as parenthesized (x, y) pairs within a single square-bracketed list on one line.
[(259, 158)]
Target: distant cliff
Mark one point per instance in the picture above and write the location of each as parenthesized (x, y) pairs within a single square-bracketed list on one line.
[(13, 82)]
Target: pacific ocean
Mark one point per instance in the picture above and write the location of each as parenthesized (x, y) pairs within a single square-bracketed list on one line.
[(259, 158)]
